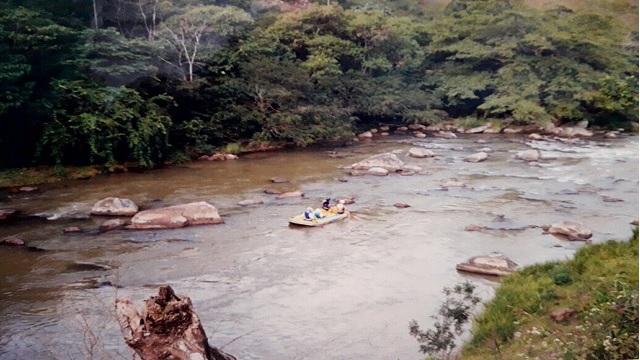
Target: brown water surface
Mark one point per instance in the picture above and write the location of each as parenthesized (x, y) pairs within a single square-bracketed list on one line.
[(265, 290)]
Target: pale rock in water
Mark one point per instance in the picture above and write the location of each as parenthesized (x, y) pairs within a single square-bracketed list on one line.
[(572, 230), (528, 155), (494, 264), (477, 157), (388, 161), (378, 171), (177, 216), (114, 206), (420, 152)]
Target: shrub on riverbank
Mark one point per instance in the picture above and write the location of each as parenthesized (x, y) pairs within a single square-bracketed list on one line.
[(600, 283)]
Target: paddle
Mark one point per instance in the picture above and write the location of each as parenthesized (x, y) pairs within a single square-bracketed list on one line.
[(351, 216)]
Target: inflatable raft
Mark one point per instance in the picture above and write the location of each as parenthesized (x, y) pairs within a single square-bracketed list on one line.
[(327, 219)]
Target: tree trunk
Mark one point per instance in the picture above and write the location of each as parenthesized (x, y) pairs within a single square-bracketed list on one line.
[(95, 15), (166, 328)]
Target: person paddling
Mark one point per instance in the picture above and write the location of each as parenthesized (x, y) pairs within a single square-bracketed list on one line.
[(326, 205), (308, 214)]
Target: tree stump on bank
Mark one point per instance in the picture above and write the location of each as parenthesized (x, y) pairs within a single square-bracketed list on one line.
[(167, 327)]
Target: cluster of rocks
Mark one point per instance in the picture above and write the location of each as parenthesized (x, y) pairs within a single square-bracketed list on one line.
[(449, 131), (126, 215), (498, 264), (218, 157), (170, 217)]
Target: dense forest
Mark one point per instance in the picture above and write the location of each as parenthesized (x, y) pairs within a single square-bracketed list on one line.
[(150, 81)]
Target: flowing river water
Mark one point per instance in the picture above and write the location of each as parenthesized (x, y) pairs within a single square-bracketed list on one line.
[(265, 290)]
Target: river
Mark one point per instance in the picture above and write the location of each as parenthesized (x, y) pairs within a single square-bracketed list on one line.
[(265, 290)]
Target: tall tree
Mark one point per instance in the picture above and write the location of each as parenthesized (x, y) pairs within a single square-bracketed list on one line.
[(110, 57), (200, 30)]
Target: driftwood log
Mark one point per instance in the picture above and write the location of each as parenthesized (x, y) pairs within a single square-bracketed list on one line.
[(167, 327)]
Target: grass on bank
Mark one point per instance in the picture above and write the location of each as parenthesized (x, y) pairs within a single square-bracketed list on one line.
[(600, 283), (11, 178)]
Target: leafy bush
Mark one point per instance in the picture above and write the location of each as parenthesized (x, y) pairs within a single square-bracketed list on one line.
[(104, 125), (233, 148), (454, 313), (561, 275)]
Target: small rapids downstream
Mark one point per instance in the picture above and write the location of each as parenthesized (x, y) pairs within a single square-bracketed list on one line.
[(265, 290)]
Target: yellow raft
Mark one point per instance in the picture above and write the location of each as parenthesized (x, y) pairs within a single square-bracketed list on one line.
[(327, 219)]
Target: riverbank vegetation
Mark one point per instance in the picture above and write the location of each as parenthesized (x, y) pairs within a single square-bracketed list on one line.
[(583, 308), (147, 81)]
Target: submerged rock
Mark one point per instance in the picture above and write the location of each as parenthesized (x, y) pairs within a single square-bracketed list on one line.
[(6, 213), (494, 264), (290, 194), (113, 224), (474, 227), (279, 180), (72, 230), (12, 241), (250, 202), (477, 157), (529, 155), (28, 189), (272, 191), (420, 152), (86, 266)]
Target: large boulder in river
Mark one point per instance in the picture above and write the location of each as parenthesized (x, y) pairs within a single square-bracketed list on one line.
[(388, 161), (570, 229), (114, 206), (493, 264), (177, 216)]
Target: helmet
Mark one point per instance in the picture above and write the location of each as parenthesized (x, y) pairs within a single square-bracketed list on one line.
[(327, 199), (342, 201)]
